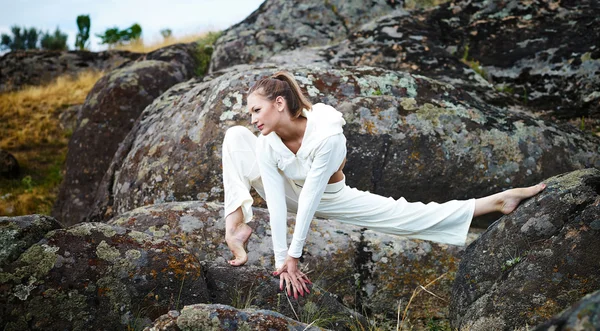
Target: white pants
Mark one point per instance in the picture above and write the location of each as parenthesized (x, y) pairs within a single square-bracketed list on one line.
[(444, 223)]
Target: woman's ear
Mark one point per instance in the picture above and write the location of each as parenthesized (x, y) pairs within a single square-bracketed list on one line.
[(280, 103)]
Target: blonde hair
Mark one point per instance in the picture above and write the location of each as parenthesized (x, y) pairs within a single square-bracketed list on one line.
[(285, 85)]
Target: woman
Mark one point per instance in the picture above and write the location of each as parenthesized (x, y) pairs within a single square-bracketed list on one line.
[(296, 164)]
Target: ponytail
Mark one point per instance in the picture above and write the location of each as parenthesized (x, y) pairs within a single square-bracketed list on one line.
[(283, 84)]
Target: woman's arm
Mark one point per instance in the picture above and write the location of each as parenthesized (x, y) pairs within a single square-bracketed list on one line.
[(328, 158), (273, 182)]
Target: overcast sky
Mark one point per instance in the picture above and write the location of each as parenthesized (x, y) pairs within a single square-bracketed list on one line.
[(182, 17)]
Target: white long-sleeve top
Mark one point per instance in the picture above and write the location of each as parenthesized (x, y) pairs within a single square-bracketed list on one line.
[(320, 155)]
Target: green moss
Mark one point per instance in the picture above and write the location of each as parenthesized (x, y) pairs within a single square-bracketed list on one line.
[(70, 306), (586, 57), (194, 319), (373, 84), (81, 230), (116, 292), (39, 260), (108, 253), (40, 176), (9, 244), (408, 103), (473, 64), (505, 89), (204, 51), (140, 237), (415, 4)]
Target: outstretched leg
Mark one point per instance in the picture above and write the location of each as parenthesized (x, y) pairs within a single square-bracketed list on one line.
[(440, 222), (237, 233), (507, 201)]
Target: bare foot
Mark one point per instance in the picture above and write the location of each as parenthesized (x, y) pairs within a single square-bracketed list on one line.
[(510, 199), (236, 237)]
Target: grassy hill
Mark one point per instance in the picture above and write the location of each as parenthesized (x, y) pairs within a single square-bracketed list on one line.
[(31, 130)]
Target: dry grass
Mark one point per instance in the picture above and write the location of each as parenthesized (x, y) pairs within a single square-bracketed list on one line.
[(32, 133), (140, 46)]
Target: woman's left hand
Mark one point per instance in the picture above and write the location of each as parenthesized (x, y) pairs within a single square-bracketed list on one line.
[(297, 278)]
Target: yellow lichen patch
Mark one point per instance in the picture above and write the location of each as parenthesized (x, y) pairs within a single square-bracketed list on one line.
[(546, 310), (408, 103), (183, 268), (108, 253), (369, 127), (571, 233)]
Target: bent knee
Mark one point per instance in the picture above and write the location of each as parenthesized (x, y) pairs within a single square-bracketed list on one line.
[(236, 134)]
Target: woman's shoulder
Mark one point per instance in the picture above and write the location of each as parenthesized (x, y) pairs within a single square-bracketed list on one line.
[(321, 107), (326, 117)]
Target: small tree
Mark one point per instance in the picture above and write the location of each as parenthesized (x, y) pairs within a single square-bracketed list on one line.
[(55, 42), (26, 40), (115, 36), (83, 24), (132, 33), (110, 36), (166, 33)]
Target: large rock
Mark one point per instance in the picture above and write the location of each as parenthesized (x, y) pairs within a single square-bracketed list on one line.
[(22, 68), (223, 317), (407, 136), (368, 271), (534, 262), (181, 55), (583, 315), (97, 277), (279, 25), (17, 234), (537, 55), (544, 52), (255, 287), (107, 115), (403, 41)]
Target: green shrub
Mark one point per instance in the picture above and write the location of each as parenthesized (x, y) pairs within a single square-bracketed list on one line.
[(204, 51), (54, 42), (114, 36), (27, 39)]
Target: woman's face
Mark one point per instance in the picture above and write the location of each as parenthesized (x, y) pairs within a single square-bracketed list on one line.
[(265, 114)]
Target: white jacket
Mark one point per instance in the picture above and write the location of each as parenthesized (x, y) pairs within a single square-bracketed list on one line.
[(322, 152)]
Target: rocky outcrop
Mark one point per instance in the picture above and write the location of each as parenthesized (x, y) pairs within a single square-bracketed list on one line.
[(583, 315), (181, 55), (97, 277), (311, 23), (538, 55), (407, 135), (366, 270), (544, 53), (22, 68), (109, 112), (255, 287), (534, 262), (403, 41), (17, 234), (223, 317)]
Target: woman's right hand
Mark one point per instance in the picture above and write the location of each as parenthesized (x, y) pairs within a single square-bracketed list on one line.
[(294, 287)]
